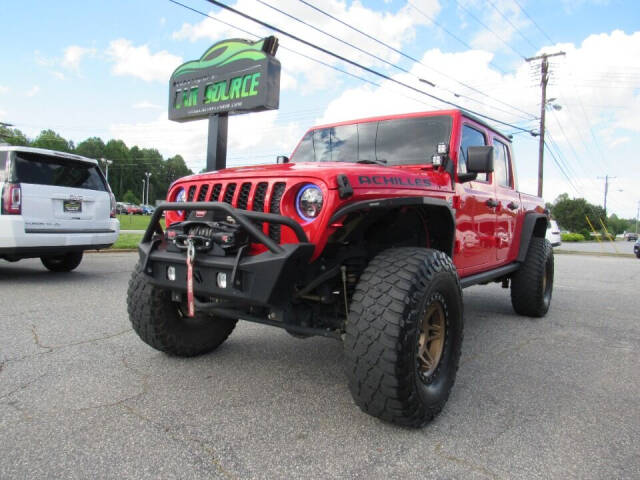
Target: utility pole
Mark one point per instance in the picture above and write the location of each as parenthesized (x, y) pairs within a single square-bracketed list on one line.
[(143, 190), (544, 79), (147, 174), (637, 216), (606, 179)]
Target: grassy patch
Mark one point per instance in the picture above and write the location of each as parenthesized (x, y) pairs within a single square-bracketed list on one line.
[(572, 237), (128, 240), (136, 222)]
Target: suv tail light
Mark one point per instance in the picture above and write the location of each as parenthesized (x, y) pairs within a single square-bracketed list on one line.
[(11, 199), (113, 205)]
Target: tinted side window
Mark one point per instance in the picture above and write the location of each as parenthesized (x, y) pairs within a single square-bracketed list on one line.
[(501, 164), (3, 166), (470, 138), (411, 140), (60, 172)]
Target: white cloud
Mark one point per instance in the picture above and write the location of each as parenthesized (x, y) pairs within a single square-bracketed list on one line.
[(395, 28), (74, 54), (147, 105), (619, 141), (58, 75), (3, 89), (33, 91), (140, 62)]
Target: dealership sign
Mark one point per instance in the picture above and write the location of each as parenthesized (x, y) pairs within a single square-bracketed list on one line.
[(233, 76)]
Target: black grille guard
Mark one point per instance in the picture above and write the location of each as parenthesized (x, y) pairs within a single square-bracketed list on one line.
[(242, 217)]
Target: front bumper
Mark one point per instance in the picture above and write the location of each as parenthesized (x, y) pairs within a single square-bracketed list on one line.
[(266, 279)]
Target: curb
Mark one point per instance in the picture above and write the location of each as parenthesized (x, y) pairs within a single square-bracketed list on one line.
[(594, 254), (113, 250)]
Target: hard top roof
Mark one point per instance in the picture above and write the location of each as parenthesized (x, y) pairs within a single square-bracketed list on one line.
[(452, 112)]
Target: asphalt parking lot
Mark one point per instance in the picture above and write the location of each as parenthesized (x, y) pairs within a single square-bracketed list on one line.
[(82, 397)]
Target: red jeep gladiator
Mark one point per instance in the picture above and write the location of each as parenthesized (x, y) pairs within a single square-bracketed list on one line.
[(367, 235)]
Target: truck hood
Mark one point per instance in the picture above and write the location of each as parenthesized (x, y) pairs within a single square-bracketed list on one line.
[(359, 175)]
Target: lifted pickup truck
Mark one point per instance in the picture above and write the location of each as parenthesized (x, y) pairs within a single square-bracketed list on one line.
[(366, 235)]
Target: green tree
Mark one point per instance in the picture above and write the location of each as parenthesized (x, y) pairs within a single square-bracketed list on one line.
[(618, 225), (13, 136), (572, 214), (119, 171), (53, 141), (92, 148), (130, 197)]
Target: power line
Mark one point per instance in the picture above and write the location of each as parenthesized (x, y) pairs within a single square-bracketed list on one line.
[(328, 65), (490, 30), (356, 64), (564, 173), (512, 24), (400, 52), (533, 21), (361, 50)]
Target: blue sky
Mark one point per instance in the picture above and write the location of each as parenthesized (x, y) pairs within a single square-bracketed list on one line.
[(101, 69)]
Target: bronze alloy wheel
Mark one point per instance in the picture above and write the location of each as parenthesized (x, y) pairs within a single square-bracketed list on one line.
[(431, 339)]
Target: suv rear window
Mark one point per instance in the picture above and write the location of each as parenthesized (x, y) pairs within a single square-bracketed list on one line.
[(3, 166), (60, 172)]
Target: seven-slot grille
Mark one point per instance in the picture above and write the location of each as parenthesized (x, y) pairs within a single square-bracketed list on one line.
[(245, 195)]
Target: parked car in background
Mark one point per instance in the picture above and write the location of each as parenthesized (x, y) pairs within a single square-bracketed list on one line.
[(553, 234), (630, 236), (133, 209), (55, 205), (636, 248), (147, 209), (121, 208)]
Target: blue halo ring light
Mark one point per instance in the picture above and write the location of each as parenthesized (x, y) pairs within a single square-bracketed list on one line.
[(309, 202)]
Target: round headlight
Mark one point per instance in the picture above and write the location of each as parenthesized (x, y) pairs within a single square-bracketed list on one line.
[(309, 201), (181, 196)]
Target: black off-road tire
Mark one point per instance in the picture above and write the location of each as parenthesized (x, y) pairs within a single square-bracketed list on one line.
[(532, 283), (62, 263), (160, 323), (383, 329)]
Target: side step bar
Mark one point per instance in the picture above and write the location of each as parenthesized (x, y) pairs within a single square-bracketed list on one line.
[(485, 277)]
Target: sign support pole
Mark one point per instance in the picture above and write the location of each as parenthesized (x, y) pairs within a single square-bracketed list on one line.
[(217, 142)]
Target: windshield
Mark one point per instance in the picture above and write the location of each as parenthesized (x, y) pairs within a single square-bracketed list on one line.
[(402, 141)]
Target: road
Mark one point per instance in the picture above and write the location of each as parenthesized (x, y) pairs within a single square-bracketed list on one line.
[(82, 397), (598, 247)]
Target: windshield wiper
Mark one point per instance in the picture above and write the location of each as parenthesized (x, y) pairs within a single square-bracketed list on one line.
[(378, 161)]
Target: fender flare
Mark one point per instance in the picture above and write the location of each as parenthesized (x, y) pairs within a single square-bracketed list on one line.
[(389, 203), (534, 225)]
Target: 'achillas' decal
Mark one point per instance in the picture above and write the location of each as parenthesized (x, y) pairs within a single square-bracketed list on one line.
[(393, 180)]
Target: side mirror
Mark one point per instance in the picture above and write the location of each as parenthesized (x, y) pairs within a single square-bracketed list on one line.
[(282, 159), (480, 159)]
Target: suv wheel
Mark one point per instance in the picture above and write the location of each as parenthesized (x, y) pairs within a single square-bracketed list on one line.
[(404, 335), (532, 283), (160, 322), (62, 263)]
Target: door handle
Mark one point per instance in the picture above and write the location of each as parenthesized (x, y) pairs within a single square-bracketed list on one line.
[(512, 206), (491, 203)]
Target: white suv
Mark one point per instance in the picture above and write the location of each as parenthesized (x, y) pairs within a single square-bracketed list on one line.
[(54, 206)]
